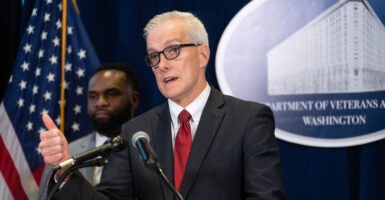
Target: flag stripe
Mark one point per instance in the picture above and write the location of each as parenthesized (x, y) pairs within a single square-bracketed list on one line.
[(20, 170), (37, 173), (4, 190), (7, 167)]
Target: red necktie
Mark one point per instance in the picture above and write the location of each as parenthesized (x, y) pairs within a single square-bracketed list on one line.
[(182, 148)]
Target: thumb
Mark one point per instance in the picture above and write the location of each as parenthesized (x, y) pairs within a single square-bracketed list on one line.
[(48, 122)]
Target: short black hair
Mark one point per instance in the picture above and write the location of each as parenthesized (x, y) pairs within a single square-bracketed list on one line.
[(130, 74)]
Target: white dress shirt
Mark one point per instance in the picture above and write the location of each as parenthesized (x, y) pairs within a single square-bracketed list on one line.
[(195, 109), (99, 141)]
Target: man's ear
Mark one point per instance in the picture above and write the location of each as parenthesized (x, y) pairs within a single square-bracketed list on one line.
[(135, 99), (205, 55)]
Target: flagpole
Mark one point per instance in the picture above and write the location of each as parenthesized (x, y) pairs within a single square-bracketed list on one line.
[(63, 51)]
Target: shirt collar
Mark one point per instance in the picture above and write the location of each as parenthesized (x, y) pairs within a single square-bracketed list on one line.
[(195, 108), (100, 139)]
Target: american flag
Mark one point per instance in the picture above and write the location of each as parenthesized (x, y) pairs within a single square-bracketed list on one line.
[(34, 89)]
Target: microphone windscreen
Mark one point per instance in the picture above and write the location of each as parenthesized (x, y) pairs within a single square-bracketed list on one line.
[(138, 135)]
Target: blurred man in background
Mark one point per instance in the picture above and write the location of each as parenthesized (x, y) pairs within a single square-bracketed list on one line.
[(112, 97)]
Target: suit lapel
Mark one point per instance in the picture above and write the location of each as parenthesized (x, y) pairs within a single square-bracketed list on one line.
[(163, 147), (211, 118), (87, 144)]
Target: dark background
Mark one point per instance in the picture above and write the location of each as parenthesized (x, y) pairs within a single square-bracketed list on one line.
[(115, 29)]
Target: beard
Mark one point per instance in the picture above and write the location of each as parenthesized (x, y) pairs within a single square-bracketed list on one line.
[(111, 127)]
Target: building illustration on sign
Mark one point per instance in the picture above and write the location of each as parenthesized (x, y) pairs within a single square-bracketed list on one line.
[(340, 51)]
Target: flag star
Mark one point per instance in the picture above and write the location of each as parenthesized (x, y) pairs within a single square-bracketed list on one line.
[(20, 102), (80, 72), (70, 30), (27, 48), (47, 95), (79, 90), (38, 150), (66, 84), (49, 1), (25, 66), (69, 49), (38, 72), (53, 59), (40, 54), (44, 35), (56, 41), (82, 54), (59, 102), (51, 77), (44, 111), (41, 130), (10, 79), (32, 108), (60, 6), (58, 24), (30, 29), (57, 120), (35, 89), (29, 126), (23, 85), (75, 127), (47, 17), (34, 12), (68, 67), (77, 109)]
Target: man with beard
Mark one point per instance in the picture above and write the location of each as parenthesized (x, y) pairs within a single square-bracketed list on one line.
[(112, 97)]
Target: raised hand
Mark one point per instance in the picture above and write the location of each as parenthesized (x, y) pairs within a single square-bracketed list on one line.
[(53, 144)]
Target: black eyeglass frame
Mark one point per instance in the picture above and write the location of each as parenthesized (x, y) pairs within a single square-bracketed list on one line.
[(177, 46)]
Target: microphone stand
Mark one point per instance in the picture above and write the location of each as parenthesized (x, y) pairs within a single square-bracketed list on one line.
[(100, 161), (158, 169), (151, 162)]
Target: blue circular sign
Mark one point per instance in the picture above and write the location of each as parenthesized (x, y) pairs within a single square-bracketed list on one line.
[(320, 66)]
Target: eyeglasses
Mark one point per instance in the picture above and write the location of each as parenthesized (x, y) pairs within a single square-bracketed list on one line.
[(170, 52)]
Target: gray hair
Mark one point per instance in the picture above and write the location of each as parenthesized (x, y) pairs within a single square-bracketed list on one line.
[(195, 29)]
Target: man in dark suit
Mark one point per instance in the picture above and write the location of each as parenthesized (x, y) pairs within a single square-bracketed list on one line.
[(233, 153), (112, 97)]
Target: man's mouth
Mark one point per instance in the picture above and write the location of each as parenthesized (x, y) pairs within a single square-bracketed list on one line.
[(101, 114), (167, 80)]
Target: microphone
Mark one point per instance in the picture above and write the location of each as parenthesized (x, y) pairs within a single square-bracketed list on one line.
[(141, 141), (117, 143)]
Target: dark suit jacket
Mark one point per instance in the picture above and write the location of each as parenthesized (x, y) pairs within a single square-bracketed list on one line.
[(234, 156)]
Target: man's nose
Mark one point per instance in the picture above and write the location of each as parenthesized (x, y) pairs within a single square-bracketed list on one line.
[(102, 101)]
